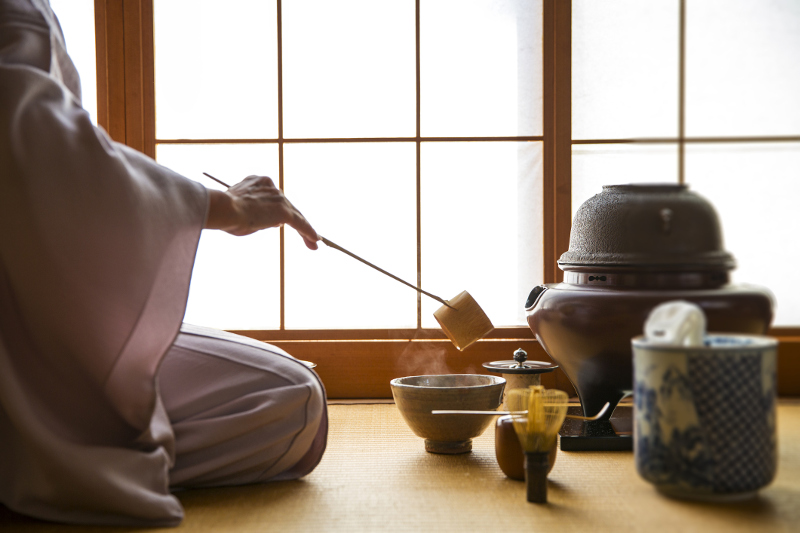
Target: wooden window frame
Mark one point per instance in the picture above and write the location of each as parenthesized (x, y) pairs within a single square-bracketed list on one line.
[(360, 363)]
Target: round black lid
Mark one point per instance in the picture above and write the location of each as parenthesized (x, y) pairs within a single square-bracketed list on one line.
[(520, 365), (647, 225)]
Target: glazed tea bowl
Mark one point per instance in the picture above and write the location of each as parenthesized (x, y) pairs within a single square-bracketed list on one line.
[(417, 396)]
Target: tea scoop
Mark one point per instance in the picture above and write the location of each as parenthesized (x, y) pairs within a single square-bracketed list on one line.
[(599, 414)]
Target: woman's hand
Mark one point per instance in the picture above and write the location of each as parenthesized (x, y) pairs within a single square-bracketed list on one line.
[(254, 204)]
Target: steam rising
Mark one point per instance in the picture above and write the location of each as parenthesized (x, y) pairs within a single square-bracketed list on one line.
[(421, 359)]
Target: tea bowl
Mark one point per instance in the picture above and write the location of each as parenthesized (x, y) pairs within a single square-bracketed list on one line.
[(417, 396)]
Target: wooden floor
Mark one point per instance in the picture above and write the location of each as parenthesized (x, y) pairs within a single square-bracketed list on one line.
[(376, 477)]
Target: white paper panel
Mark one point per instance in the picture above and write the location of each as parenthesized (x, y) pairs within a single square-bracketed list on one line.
[(481, 67), (482, 225), (625, 68), (216, 69), (755, 190), (235, 281), (349, 68), (76, 18), (362, 197), (743, 67), (595, 165)]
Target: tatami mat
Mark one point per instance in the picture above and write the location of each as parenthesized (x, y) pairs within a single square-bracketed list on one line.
[(376, 476)]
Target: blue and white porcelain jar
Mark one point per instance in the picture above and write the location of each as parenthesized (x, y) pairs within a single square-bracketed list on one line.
[(704, 417)]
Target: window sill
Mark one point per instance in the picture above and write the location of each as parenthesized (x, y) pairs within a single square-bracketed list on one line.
[(360, 364)]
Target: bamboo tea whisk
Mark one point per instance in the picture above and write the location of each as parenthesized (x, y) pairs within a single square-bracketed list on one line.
[(538, 414)]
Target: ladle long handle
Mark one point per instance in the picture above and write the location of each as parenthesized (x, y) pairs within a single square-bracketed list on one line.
[(351, 254), (218, 181), (382, 271)]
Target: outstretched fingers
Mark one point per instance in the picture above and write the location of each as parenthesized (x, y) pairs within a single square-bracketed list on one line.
[(265, 206), (303, 228)]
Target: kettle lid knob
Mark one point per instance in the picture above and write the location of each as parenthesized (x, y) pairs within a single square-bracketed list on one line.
[(520, 356)]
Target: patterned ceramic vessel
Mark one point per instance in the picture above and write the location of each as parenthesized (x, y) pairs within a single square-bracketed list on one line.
[(704, 417)]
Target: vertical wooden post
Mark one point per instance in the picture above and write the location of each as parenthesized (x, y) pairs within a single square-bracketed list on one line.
[(281, 184), (100, 59), (132, 45), (682, 94), (148, 78), (557, 92), (125, 72)]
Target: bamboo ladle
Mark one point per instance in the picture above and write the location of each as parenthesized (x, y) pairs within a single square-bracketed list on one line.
[(461, 318)]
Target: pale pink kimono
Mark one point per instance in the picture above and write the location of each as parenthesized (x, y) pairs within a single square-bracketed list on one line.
[(106, 400)]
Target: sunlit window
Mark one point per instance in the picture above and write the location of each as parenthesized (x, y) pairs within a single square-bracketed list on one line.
[(724, 118), (436, 179), (415, 139)]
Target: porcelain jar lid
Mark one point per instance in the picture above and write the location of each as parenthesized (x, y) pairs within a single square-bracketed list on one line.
[(647, 225)]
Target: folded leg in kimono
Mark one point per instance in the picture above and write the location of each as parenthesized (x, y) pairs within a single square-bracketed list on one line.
[(242, 411)]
